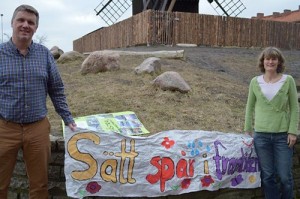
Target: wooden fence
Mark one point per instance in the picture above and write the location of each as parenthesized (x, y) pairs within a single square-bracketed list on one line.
[(170, 28)]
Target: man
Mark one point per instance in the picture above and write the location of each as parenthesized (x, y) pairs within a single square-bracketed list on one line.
[(28, 74)]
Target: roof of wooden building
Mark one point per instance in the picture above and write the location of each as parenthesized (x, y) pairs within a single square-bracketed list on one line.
[(285, 16)]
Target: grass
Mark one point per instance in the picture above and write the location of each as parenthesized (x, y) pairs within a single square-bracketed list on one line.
[(213, 104), (216, 102)]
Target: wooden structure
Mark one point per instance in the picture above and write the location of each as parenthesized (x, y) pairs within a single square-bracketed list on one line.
[(287, 16), (170, 28), (165, 5)]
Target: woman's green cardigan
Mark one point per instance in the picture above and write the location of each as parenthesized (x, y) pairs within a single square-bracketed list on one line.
[(280, 114)]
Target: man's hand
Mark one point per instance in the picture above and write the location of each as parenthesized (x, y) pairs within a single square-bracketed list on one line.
[(72, 126)]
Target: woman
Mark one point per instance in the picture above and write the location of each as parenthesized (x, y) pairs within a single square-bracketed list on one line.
[(273, 108)]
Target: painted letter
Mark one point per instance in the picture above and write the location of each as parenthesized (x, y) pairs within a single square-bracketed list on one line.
[(152, 179), (217, 159), (181, 168), (131, 155), (111, 166), (165, 171), (83, 157)]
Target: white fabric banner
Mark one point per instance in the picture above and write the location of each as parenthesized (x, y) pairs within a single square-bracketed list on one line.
[(172, 162)]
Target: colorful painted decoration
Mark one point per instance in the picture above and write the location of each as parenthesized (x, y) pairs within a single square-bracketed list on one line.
[(111, 163)]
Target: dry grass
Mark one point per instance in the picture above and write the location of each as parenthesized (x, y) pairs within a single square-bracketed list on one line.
[(216, 102)]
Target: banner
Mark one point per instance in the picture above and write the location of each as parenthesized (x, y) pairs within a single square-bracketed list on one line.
[(100, 163)]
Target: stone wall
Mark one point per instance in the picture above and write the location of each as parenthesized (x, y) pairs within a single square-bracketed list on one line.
[(19, 185)]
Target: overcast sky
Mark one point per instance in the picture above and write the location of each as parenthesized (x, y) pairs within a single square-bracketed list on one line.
[(62, 21)]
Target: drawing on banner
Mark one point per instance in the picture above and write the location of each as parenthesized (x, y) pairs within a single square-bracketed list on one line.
[(167, 163), (125, 123)]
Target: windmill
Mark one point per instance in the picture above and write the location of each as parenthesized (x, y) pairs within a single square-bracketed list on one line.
[(111, 10)]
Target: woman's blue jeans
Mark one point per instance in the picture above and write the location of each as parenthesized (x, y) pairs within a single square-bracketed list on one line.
[(276, 161)]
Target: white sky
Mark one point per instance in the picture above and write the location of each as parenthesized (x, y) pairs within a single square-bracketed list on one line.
[(62, 21)]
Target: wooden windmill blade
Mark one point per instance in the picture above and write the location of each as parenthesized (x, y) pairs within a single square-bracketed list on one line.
[(110, 11), (228, 7), (171, 5)]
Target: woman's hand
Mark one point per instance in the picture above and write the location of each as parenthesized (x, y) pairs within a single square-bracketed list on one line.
[(249, 133), (291, 140)]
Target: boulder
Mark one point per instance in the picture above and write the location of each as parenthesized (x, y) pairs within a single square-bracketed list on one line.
[(70, 57), (150, 66), (100, 61), (56, 52), (172, 81)]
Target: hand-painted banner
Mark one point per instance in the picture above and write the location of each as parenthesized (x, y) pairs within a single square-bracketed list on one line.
[(172, 162)]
